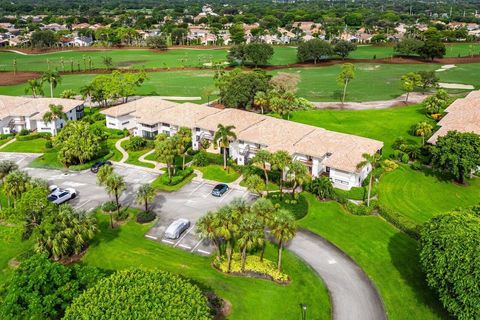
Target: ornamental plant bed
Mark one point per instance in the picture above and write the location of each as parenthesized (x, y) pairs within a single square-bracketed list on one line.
[(253, 268)]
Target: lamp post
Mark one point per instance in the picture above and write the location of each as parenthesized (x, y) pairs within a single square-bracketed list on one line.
[(304, 311)]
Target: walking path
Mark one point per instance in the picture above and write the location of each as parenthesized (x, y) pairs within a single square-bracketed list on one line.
[(353, 295), (118, 146), (7, 143), (158, 165)]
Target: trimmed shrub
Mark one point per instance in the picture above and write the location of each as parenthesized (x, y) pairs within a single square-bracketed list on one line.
[(417, 165), (109, 206), (4, 136), (405, 158), (179, 176), (136, 144), (122, 215), (359, 210), (49, 144), (24, 132), (399, 221), (145, 216), (201, 159)]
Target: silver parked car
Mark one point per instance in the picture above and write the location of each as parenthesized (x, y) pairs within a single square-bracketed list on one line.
[(58, 195), (177, 228)]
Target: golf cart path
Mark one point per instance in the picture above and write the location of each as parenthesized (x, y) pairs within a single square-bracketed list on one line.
[(413, 98), (353, 295), (118, 146)]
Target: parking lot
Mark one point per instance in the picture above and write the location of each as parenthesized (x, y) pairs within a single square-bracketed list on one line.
[(89, 194), (191, 202)]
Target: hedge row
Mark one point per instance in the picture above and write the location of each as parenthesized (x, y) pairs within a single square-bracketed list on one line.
[(399, 221), (33, 136), (179, 176)]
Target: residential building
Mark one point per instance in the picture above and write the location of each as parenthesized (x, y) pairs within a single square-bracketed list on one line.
[(18, 113), (324, 152), (463, 115)]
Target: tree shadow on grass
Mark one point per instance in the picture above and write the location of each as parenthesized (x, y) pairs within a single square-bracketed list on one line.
[(106, 233), (404, 254)]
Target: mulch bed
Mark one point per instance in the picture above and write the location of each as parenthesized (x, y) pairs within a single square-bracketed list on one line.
[(8, 78)]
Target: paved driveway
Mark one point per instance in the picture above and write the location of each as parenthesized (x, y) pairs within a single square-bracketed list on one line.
[(90, 195), (191, 202)]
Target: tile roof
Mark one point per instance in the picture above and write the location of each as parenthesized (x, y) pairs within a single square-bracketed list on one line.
[(342, 151), (32, 107), (463, 115)]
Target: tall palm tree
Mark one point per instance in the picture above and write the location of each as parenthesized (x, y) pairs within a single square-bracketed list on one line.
[(263, 158), (55, 113), (144, 194), (207, 229), (227, 226), (251, 235), (6, 167), (281, 160), (261, 100), (53, 78), (15, 184), (114, 185), (283, 227), (222, 138), (35, 86), (423, 129), (185, 137), (298, 173), (263, 209), (373, 161)]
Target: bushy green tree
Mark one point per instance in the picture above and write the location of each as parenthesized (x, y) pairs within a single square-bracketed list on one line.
[(314, 50), (408, 46), (436, 103), (142, 294), (450, 258), (42, 289), (237, 34), (346, 75), (410, 81), (343, 48), (77, 144), (457, 154), (322, 187), (255, 183)]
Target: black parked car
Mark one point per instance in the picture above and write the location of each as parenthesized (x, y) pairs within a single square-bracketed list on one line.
[(219, 190), (98, 165)]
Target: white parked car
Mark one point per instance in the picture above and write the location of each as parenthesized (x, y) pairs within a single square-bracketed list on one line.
[(177, 228), (58, 195)]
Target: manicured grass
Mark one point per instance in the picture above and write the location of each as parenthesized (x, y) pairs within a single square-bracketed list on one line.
[(298, 207), (388, 256), (385, 124), (217, 173), (31, 146), (3, 141), (133, 156), (158, 185), (371, 52), (462, 73), (420, 195), (11, 246), (251, 298), (117, 156), (372, 81)]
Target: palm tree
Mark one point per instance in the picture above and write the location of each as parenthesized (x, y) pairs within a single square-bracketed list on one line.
[(35, 86), (281, 160), (15, 184), (227, 226), (298, 174), (185, 137), (222, 138), (423, 129), (6, 167), (263, 209), (145, 193), (283, 227), (261, 100), (114, 185), (207, 229), (372, 161), (55, 113), (53, 78), (251, 235), (262, 158)]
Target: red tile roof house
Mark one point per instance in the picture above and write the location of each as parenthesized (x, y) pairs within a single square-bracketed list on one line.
[(325, 152)]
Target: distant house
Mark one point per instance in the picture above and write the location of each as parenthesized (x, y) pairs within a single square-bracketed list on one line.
[(463, 115), (18, 113), (332, 154)]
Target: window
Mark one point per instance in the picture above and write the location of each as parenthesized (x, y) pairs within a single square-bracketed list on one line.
[(165, 124), (126, 122), (111, 124), (149, 135), (149, 125)]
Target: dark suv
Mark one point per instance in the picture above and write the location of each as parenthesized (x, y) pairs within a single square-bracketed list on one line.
[(98, 165), (219, 190)]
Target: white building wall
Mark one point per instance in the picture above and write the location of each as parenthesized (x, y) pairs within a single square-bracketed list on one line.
[(123, 122)]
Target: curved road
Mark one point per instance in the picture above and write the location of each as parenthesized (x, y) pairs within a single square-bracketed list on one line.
[(353, 294)]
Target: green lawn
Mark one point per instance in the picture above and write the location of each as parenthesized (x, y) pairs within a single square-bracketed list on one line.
[(388, 256), (384, 124), (133, 156), (217, 173), (250, 298), (129, 59), (462, 73), (419, 195), (11, 246), (31, 146)]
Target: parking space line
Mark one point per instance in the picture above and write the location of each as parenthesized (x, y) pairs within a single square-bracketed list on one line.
[(203, 251), (185, 246), (168, 241), (196, 246), (151, 237), (186, 232), (226, 195), (83, 204), (195, 190)]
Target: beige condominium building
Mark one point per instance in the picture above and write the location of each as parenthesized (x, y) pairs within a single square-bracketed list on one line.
[(325, 152)]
